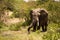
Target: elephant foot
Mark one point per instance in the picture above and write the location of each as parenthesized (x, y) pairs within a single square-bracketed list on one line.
[(44, 31)]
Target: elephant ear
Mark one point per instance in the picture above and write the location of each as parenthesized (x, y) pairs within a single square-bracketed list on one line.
[(44, 13), (31, 11), (43, 10)]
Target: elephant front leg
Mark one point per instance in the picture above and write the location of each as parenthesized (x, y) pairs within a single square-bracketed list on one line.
[(38, 27), (34, 27)]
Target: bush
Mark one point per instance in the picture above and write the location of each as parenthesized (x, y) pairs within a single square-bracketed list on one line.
[(3, 27), (15, 27)]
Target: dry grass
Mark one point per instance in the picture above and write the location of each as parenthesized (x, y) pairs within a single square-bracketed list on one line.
[(20, 35)]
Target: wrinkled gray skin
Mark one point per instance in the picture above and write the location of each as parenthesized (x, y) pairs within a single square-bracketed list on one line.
[(39, 18), (43, 20), (35, 20)]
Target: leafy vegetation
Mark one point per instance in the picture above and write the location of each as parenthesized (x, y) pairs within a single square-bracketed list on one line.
[(21, 9)]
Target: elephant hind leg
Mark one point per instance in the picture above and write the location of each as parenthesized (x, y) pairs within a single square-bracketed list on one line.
[(46, 26), (43, 29)]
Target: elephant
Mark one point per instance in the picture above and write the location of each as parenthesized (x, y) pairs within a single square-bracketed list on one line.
[(39, 18), (43, 20)]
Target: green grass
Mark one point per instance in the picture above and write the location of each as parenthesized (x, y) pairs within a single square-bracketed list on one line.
[(51, 34)]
